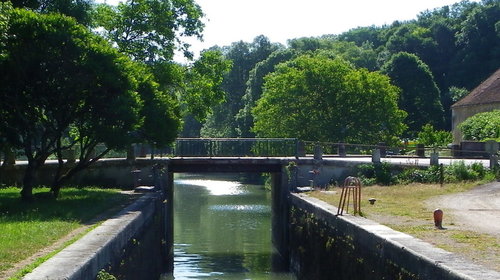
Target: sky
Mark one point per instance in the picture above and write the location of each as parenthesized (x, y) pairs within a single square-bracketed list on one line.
[(228, 21)]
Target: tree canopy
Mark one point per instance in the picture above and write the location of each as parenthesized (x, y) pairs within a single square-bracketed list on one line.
[(455, 46), (222, 122), (81, 10), (420, 96), (59, 81), (323, 99), (150, 30)]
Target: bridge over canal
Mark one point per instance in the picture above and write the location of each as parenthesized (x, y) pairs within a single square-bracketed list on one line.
[(280, 189), (270, 156)]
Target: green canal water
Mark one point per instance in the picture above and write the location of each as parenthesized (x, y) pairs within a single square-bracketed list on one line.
[(222, 229)]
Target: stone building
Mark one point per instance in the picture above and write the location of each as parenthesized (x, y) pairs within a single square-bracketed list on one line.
[(484, 98)]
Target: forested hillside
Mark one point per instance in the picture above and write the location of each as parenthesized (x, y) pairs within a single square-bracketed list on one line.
[(434, 60)]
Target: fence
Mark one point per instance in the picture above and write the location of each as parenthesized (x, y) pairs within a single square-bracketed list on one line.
[(235, 147), (286, 147), (464, 150)]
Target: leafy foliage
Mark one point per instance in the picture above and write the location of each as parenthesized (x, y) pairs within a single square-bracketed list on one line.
[(381, 174), (457, 93), (244, 118), (453, 47), (317, 98), (482, 126), (419, 175), (420, 97), (160, 112), (244, 56), (78, 9), (203, 84), (150, 30), (43, 102), (371, 174), (431, 137), (460, 172)]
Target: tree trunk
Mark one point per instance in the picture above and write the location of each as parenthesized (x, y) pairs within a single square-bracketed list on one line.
[(28, 182), (56, 188)]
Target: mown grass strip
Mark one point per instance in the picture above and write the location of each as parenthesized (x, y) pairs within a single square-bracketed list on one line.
[(403, 208), (26, 228), (398, 200)]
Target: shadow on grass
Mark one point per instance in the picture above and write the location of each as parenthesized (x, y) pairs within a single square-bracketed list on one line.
[(74, 204)]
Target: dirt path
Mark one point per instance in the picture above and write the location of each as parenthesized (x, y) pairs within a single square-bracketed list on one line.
[(477, 209)]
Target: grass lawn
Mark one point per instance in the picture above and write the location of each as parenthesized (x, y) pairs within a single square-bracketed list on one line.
[(403, 208), (26, 228)]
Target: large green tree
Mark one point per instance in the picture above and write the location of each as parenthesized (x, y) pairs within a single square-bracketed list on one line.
[(253, 92), (150, 30), (322, 99), (244, 56), (56, 76), (81, 10), (478, 41), (420, 96)]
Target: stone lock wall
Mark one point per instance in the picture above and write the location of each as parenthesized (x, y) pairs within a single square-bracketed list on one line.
[(326, 246), (130, 245)]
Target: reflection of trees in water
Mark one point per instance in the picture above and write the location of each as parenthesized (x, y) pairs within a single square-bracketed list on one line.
[(231, 233)]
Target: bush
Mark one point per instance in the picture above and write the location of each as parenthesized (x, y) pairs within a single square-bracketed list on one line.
[(417, 175), (104, 275), (460, 172), (371, 174), (431, 137), (482, 126)]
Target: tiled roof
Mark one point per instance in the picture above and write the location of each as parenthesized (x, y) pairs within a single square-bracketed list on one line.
[(487, 92)]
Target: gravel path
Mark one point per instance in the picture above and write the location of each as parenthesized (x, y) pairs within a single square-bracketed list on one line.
[(477, 209)]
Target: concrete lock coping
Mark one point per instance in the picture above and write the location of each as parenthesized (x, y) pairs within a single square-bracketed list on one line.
[(417, 256), (84, 258)]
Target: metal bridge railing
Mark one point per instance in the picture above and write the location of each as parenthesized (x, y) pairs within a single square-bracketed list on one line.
[(414, 150), (235, 147)]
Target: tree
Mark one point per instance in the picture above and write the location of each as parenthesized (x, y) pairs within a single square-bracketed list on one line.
[(150, 30), (78, 9), (244, 56), (320, 99), (203, 82), (414, 39), (482, 126), (361, 35), (478, 41), (161, 114), (457, 93), (253, 92), (58, 76), (420, 96)]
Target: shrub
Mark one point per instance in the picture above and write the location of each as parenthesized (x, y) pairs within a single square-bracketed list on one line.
[(460, 172), (375, 174), (104, 275), (417, 175), (482, 126), (371, 174), (431, 137)]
